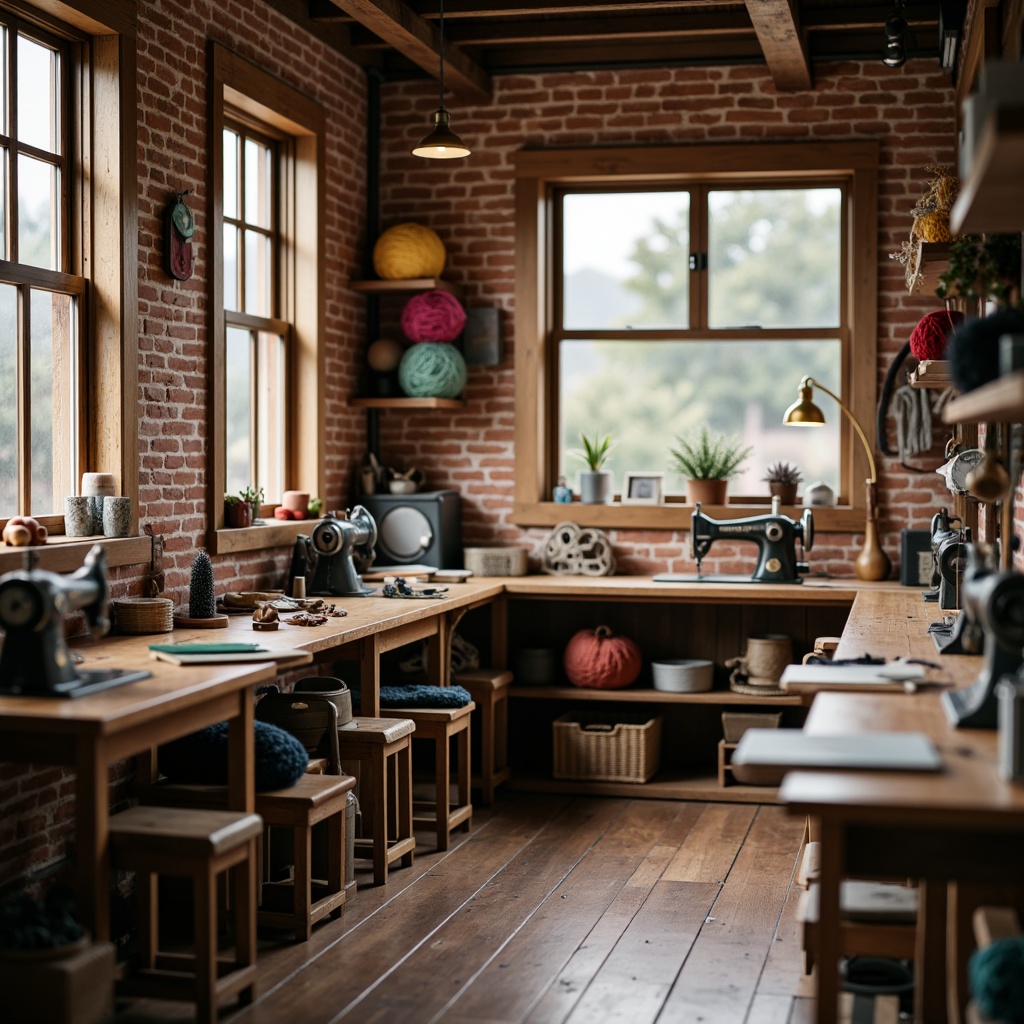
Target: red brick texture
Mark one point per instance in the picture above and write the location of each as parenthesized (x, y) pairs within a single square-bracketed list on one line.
[(470, 204)]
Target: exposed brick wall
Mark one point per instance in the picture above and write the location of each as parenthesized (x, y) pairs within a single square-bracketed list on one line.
[(471, 205), (37, 807)]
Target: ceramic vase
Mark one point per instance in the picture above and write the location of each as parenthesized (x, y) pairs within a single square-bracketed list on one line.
[(596, 488), (707, 492)]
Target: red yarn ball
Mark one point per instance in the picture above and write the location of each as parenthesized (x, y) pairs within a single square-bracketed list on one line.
[(598, 660), (931, 335), (433, 316)]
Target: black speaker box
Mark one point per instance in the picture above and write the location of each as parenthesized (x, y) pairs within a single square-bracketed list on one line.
[(417, 529)]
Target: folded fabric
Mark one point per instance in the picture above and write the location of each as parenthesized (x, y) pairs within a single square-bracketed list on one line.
[(418, 695)]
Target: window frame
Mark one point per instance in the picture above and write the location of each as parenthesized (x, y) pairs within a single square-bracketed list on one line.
[(240, 90), (104, 248), (541, 175)]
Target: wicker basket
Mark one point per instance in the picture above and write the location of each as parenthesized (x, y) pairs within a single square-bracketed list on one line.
[(607, 748), (141, 615), (495, 561)]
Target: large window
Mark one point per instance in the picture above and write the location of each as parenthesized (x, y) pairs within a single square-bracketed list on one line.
[(659, 290), (267, 239), (41, 300), (664, 325)]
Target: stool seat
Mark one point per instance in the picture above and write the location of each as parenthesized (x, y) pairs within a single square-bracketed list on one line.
[(312, 792), (383, 750), (199, 845), (489, 689), (439, 726)]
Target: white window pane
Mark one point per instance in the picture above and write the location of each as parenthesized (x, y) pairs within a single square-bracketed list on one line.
[(8, 400), (37, 213), (625, 260), (238, 407), (3, 203), (257, 184), (645, 393), (270, 416), (257, 274), (230, 191), (774, 258), (37, 95), (230, 267)]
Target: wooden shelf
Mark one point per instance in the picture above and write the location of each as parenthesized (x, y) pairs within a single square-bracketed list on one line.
[(412, 284), (931, 373), (990, 198), (408, 403), (1001, 401), (648, 695), (668, 784)]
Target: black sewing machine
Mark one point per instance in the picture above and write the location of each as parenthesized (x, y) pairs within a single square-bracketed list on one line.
[(993, 609), (774, 534), (949, 558), (327, 560), (35, 660)]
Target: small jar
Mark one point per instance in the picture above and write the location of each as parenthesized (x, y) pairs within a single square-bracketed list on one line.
[(562, 494)]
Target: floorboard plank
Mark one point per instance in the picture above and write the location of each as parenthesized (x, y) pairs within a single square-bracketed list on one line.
[(785, 964), (530, 961), (770, 1009), (719, 979), (708, 853)]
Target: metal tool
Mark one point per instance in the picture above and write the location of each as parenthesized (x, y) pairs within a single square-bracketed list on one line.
[(775, 535)]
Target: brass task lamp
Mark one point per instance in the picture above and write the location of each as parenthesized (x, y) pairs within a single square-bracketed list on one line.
[(872, 562)]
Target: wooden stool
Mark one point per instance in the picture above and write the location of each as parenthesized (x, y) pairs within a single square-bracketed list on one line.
[(489, 689), (314, 798), (382, 748), (439, 725), (199, 845)]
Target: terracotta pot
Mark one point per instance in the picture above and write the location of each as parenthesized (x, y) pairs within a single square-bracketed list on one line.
[(707, 492), (239, 514), (785, 492)]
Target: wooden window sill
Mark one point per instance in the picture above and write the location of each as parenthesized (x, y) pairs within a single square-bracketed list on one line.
[(674, 515), (65, 554), (271, 533)]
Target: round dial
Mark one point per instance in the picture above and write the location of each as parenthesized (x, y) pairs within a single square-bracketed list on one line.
[(956, 470), (20, 605)]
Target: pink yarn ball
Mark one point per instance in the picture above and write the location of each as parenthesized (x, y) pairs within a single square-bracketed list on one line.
[(931, 336), (433, 316)]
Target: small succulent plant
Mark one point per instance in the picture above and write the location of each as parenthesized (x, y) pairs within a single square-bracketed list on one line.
[(782, 473), (595, 451), (706, 455)]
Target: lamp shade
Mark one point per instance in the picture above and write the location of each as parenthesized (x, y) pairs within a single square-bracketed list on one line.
[(442, 143), (803, 412)]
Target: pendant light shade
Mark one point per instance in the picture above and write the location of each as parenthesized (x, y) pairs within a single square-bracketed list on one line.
[(442, 143)]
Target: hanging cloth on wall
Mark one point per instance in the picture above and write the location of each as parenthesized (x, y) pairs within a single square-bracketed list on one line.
[(913, 414), (179, 226)]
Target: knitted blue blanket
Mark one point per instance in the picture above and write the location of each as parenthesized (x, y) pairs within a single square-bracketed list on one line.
[(419, 695)]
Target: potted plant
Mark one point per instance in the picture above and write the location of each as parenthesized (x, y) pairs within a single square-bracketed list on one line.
[(782, 478), (254, 497), (236, 511), (706, 460), (595, 482)]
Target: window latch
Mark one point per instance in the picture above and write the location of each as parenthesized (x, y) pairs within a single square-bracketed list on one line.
[(698, 261)]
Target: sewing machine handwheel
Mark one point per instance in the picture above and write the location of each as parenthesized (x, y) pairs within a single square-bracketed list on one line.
[(807, 525)]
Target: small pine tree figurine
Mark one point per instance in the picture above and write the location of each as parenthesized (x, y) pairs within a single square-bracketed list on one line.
[(202, 602)]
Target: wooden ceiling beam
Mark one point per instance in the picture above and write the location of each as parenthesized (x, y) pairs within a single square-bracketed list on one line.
[(420, 42), (576, 30), (777, 25), (478, 9)]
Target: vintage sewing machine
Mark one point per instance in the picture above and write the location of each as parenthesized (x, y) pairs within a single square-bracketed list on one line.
[(993, 611), (775, 535), (35, 660), (327, 560), (949, 558)]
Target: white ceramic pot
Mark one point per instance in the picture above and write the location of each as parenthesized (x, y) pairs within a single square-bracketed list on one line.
[(683, 675), (596, 488)]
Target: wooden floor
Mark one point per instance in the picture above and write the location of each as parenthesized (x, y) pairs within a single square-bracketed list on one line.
[(555, 909)]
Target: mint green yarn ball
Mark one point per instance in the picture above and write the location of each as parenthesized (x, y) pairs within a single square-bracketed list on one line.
[(432, 370)]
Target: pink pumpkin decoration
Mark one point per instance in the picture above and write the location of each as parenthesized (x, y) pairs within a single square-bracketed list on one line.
[(596, 659)]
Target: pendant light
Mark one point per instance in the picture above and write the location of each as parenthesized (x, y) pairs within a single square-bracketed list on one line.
[(895, 53), (442, 143)]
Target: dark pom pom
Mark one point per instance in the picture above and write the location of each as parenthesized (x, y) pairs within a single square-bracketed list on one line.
[(997, 980), (202, 601), (974, 348)]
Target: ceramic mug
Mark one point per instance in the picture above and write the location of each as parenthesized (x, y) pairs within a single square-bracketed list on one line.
[(79, 520), (117, 516)]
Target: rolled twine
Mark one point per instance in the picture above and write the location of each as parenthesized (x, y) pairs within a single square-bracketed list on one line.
[(432, 371), (433, 316)]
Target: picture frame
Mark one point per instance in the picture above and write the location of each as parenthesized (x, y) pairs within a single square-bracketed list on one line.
[(643, 488)]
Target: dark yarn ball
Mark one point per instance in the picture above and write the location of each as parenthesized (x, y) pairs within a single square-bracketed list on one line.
[(930, 337), (201, 758), (974, 348), (418, 695), (997, 980)]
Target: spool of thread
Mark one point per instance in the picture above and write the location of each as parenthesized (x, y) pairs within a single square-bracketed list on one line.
[(299, 587)]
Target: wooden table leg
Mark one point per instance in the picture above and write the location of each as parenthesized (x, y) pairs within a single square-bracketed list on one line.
[(92, 839), (242, 756), (499, 632), (826, 956), (930, 954), (369, 677)]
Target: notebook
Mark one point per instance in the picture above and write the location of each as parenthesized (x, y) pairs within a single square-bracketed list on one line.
[(210, 654), (897, 676)]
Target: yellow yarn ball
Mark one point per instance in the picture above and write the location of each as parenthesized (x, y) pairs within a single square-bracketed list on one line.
[(408, 250)]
